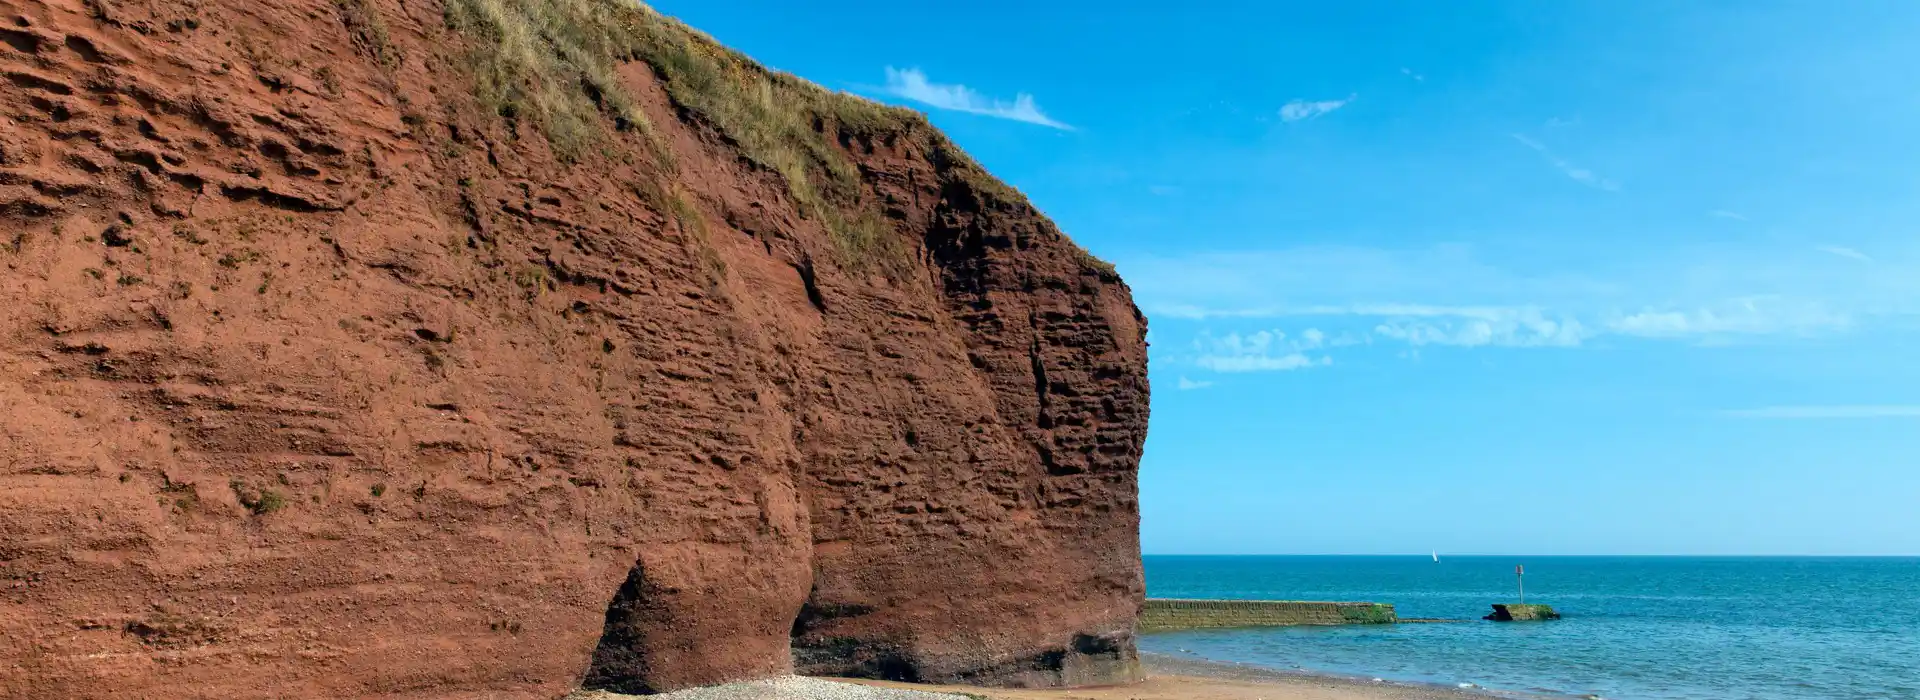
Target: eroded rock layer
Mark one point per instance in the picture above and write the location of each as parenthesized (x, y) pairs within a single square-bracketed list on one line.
[(332, 366)]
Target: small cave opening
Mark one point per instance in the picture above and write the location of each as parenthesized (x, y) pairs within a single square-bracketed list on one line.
[(618, 664)]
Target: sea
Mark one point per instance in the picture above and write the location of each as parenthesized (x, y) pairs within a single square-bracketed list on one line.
[(1660, 628)]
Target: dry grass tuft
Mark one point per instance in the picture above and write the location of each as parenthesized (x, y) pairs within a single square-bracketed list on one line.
[(553, 63), (777, 119), (550, 63), (782, 123), (369, 32)]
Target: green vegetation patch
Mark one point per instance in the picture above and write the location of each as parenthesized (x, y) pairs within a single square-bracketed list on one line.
[(1372, 614), (554, 64), (777, 119), (551, 64), (1516, 612), (780, 123), (370, 36), (259, 501)]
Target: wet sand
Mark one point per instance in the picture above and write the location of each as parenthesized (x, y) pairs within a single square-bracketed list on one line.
[(1171, 678)]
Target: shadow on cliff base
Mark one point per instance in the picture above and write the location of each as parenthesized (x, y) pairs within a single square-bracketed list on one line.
[(621, 660), (619, 665), (1086, 659)]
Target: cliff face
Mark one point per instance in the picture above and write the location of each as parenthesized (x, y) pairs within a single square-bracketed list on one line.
[(370, 347)]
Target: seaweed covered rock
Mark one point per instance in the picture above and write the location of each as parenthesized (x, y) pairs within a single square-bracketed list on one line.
[(1515, 612)]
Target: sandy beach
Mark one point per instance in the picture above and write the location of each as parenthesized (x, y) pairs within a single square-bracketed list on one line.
[(1172, 678), (1168, 678)]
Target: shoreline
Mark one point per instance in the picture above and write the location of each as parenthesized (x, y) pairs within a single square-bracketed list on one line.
[(1167, 678), (1202, 667), (1176, 678)]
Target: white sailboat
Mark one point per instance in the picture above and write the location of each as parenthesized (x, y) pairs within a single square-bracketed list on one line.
[(1436, 556)]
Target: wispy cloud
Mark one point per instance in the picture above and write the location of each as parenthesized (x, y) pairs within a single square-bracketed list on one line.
[(1827, 412), (1524, 328), (1190, 385), (1557, 122), (1535, 327), (1577, 173), (1745, 317), (912, 84), (1415, 76), (1845, 252), (1299, 110), (1724, 214), (1263, 351), (1450, 296), (1194, 312), (1421, 324)]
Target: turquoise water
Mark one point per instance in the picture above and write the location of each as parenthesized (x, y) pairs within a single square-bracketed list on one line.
[(1664, 628)]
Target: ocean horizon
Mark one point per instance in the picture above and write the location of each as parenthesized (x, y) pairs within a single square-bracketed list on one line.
[(1664, 627)]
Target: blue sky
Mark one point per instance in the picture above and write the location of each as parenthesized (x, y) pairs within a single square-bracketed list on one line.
[(1486, 277)]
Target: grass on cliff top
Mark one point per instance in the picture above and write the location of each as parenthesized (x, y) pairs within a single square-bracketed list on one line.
[(549, 63), (553, 64)]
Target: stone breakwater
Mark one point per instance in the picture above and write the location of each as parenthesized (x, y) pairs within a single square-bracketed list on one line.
[(1160, 614)]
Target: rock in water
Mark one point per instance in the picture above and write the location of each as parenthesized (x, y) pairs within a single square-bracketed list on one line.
[(1504, 612), (681, 371)]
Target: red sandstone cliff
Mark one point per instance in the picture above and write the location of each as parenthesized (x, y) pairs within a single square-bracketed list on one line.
[(391, 348)]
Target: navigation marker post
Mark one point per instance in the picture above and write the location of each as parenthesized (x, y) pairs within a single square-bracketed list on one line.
[(1520, 574)]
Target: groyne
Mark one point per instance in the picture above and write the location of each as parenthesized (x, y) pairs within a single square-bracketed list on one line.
[(1162, 614)]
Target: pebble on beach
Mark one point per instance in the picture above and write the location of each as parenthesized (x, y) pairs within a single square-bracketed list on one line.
[(785, 688)]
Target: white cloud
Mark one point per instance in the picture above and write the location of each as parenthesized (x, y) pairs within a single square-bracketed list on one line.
[(1523, 318), (1812, 412), (1199, 313), (1453, 296), (1262, 351), (1654, 324), (1298, 110), (1577, 173), (1190, 385), (1724, 214), (1415, 76), (1261, 363), (1348, 339), (912, 84), (1523, 329), (1487, 313), (1737, 317), (1556, 122), (1845, 252)]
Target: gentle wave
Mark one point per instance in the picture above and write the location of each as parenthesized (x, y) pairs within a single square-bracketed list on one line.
[(1663, 628)]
